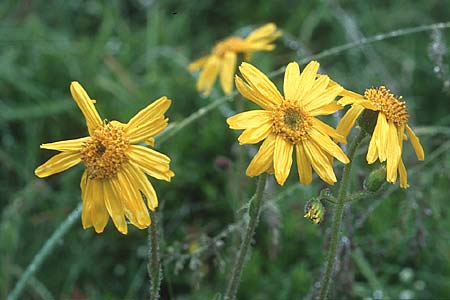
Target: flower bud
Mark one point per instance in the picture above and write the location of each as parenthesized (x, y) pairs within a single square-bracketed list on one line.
[(368, 120), (314, 210), (375, 179)]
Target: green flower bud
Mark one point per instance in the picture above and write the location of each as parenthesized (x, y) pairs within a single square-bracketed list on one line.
[(314, 210), (368, 120), (375, 179)]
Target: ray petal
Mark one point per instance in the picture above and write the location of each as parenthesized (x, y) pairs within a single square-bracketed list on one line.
[(228, 71), (306, 81), (114, 206), (328, 130), (291, 80), (327, 145), (58, 163), (249, 119), (348, 120), (208, 75), (263, 160), (319, 161), (282, 159), (415, 143), (86, 106), (303, 165), (67, 145), (150, 161), (99, 213), (255, 135)]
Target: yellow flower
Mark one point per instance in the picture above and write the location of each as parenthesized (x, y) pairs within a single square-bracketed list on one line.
[(114, 178), (289, 122), (222, 59), (389, 132)]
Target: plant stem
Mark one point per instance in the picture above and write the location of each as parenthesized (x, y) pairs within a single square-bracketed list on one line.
[(254, 212), (45, 251), (337, 217), (154, 265)]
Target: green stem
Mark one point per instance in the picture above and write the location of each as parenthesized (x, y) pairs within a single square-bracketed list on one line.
[(154, 266), (45, 251), (337, 218), (254, 212)]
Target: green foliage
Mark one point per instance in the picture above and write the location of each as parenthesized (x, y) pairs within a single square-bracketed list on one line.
[(127, 54)]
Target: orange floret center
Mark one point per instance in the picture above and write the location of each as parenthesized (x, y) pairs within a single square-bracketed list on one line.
[(291, 122), (104, 153), (394, 109)]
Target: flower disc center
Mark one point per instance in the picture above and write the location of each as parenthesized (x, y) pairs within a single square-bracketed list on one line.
[(229, 44), (104, 153), (394, 109), (291, 122)]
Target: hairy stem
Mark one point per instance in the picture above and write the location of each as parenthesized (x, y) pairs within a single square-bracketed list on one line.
[(154, 262), (254, 212), (337, 217)]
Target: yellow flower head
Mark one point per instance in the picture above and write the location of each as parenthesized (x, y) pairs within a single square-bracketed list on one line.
[(290, 122), (222, 59), (114, 178), (389, 132)]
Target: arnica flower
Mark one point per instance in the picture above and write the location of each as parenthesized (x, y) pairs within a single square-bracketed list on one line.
[(114, 178), (222, 60), (290, 122), (386, 143)]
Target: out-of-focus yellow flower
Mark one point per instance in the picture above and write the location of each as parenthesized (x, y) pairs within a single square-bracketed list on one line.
[(222, 60), (114, 179), (389, 132), (290, 123)]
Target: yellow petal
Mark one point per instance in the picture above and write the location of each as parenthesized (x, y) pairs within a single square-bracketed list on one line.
[(249, 119), (86, 106), (262, 32), (306, 81), (86, 186), (319, 161), (282, 159), (252, 94), (58, 163), (135, 210), (150, 142), (358, 101), (208, 75), (303, 165), (144, 185), (415, 143), (114, 206), (393, 153), (228, 71), (383, 129), (259, 82), (255, 135), (348, 120), (263, 160), (291, 80), (318, 88), (99, 213), (327, 145), (403, 175), (328, 130), (68, 145), (324, 99), (197, 64), (372, 152), (328, 109), (146, 132), (150, 161)]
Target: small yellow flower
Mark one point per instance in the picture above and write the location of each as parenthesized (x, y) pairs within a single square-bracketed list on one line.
[(222, 60), (114, 178), (389, 132), (289, 122)]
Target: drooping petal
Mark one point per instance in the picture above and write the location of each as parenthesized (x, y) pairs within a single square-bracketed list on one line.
[(348, 120), (258, 81), (282, 159), (306, 81), (303, 165), (372, 152), (327, 145), (58, 163), (197, 64), (86, 192), (415, 143), (67, 145), (249, 119), (291, 80), (328, 130), (144, 185), (263, 160), (253, 95), (228, 71), (208, 75), (114, 206), (383, 130), (150, 161), (86, 106), (99, 213), (393, 153), (255, 135), (319, 161), (403, 175)]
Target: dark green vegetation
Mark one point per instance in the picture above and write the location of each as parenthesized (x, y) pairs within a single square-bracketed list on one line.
[(128, 54)]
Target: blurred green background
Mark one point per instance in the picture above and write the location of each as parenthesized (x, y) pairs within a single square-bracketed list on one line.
[(127, 54)]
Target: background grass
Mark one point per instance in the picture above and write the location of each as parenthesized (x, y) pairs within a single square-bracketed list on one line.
[(127, 54)]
